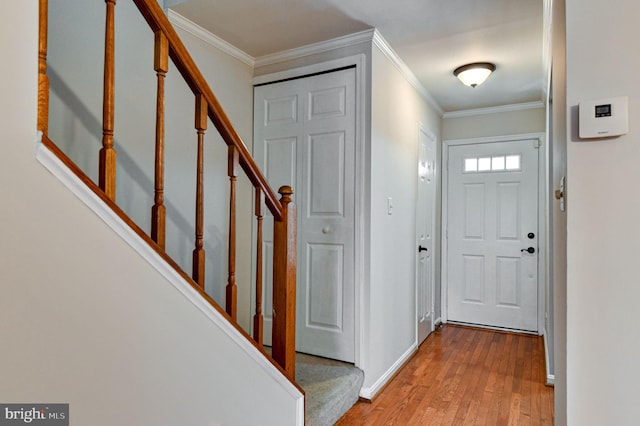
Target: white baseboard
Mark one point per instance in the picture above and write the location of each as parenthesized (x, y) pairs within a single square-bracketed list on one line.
[(551, 378), (370, 392)]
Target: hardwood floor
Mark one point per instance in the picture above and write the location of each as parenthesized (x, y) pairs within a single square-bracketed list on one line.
[(465, 376)]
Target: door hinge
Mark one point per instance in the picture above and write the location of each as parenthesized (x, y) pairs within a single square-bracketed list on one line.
[(537, 143)]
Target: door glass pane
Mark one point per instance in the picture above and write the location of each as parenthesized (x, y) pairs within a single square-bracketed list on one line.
[(471, 165), (513, 162), (497, 163), (484, 164)]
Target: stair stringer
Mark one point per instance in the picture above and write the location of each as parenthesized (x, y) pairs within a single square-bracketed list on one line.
[(74, 184)]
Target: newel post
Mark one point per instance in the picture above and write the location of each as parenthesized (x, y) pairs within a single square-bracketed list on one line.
[(284, 285)]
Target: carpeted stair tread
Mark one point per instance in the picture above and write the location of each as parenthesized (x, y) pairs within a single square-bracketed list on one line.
[(331, 388)]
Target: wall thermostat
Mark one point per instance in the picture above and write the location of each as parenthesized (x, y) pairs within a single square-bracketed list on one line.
[(604, 118)]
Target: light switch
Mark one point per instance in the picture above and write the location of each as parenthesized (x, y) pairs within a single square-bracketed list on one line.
[(389, 206)]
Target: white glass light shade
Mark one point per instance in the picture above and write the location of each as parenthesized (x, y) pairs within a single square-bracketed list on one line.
[(474, 74)]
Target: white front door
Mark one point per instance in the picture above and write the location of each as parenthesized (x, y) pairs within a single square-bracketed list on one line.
[(492, 258), (425, 229), (304, 136)]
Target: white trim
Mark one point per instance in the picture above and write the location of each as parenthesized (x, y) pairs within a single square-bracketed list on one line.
[(550, 377), (388, 51), (543, 193), (551, 380), (547, 22), (493, 110), (489, 139), (357, 60), (493, 327), (208, 37), (373, 36), (361, 230), (315, 48), (56, 167), (361, 308), (370, 392), (542, 225)]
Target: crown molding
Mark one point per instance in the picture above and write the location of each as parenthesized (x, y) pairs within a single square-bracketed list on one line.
[(493, 110), (367, 36), (315, 48), (208, 37), (391, 54)]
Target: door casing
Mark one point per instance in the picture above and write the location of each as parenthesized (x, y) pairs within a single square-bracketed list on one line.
[(542, 215)]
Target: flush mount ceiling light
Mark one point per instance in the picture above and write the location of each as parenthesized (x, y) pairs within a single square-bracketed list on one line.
[(474, 74)]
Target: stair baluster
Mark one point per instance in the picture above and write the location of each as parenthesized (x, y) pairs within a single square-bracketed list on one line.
[(232, 289), (258, 318), (168, 45), (158, 211), (107, 169), (198, 252)]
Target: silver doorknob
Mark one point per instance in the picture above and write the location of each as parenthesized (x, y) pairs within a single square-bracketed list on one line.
[(326, 230)]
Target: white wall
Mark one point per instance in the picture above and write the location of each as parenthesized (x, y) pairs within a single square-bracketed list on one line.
[(75, 66), (532, 120), (603, 285), (396, 111), (83, 319), (558, 218)]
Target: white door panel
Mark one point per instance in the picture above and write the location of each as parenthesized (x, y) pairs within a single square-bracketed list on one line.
[(425, 230), (492, 208), (304, 136)]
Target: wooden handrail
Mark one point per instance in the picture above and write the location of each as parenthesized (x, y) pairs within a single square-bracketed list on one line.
[(51, 146), (168, 45), (283, 210), (158, 21)]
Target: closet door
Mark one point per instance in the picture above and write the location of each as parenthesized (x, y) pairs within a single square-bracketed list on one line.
[(304, 136)]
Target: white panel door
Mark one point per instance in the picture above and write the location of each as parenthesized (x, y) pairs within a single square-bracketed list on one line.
[(492, 227), (304, 136), (425, 229), (276, 151)]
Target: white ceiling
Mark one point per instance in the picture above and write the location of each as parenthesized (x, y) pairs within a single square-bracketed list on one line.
[(432, 37)]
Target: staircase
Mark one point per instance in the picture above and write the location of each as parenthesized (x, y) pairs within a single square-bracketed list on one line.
[(168, 48)]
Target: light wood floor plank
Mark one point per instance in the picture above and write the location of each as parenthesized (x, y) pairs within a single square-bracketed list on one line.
[(465, 376)]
